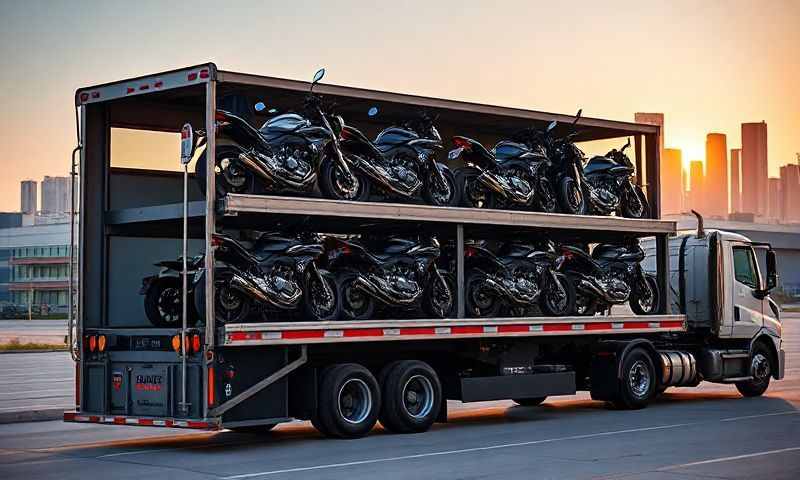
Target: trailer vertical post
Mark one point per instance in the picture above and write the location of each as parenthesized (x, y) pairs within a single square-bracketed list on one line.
[(210, 229), (637, 158), (460, 269), (653, 170), (662, 271)]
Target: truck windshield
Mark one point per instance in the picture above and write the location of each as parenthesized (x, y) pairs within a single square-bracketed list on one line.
[(744, 266)]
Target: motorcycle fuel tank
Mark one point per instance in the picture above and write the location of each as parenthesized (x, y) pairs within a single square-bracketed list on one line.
[(283, 124), (392, 137)]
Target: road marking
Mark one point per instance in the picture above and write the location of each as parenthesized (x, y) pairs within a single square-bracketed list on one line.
[(745, 417), (730, 459), (451, 452)]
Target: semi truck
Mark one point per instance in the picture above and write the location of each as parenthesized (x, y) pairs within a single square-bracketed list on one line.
[(715, 322)]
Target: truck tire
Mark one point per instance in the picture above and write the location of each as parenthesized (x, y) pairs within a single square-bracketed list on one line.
[(412, 396), (638, 383), (349, 401), (529, 402), (761, 368)]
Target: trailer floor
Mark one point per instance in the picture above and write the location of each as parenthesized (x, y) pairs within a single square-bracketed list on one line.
[(710, 432)]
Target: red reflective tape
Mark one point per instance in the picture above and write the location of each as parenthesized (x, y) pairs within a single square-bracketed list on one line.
[(69, 416), (513, 328), (146, 422), (467, 329), (598, 326), (364, 332), (672, 324), (239, 336), (94, 418), (191, 424), (628, 325), (119, 420), (557, 327), (418, 331), (168, 423), (300, 334)]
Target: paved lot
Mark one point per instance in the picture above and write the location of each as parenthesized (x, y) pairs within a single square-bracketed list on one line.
[(33, 331), (36, 381), (710, 432)]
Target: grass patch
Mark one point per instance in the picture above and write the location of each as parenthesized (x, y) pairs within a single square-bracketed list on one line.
[(14, 345)]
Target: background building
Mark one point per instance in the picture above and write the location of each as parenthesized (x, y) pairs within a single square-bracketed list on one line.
[(754, 168), (790, 193), (736, 184), (55, 195), (716, 179), (697, 199), (672, 182), (34, 266), (28, 197)]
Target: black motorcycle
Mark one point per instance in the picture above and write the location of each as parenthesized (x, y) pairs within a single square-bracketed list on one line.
[(278, 275), (163, 292), (565, 171), (285, 155), (608, 181), (400, 164), (611, 275), (511, 175), (395, 272), (515, 280)]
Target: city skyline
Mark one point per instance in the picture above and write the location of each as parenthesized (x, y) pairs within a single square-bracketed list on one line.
[(746, 71)]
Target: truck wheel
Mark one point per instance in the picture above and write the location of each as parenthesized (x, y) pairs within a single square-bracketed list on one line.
[(349, 401), (412, 397), (761, 370), (356, 304), (529, 402), (638, 383)]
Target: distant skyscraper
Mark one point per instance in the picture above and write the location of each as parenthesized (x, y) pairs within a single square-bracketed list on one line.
[(774, 198), (671, 181), (754, 168), (55, 195), (736, 187), (716, 184), (697, 183), (28, 197), (790, 193)]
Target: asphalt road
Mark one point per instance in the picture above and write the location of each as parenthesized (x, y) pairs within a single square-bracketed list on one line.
[(33, 331), (708, 432), (36, 382)]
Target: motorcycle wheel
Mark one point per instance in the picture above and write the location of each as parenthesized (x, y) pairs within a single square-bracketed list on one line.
[(635, 204), (441, 195), (585, 306), (334, 186), (470, 193), (478, 302), (570, 197), (162, 302), (645, 299), (231, 176), (316, 304), (356, 304), (439, 298), (555, 301), (230, 306), (547, 197)]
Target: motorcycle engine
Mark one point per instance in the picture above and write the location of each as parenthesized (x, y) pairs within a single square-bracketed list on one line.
[(296, 161), (617, 289), (603, 193), (401, 278), (404, 169)]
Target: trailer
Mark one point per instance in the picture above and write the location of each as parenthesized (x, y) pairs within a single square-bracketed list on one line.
[(715, 321)]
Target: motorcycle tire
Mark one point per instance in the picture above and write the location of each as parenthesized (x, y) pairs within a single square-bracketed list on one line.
[(331, 187), (627, 208), (162, 303), (224, 183), (477, 304), (546, 197), (431, 306), (311, 308), (470, 194), (437, 200), (585, 306), (221, 313), (642, 305), (355, 304), (557, 307), (570, 197)]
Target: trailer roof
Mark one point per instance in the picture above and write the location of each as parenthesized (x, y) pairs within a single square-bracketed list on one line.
[(352, 100)]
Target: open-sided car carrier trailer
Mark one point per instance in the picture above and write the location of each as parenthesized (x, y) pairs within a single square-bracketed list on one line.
[(342, 375)]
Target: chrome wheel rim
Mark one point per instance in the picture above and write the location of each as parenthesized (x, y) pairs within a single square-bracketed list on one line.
[(354, 401), (345, 188), (647, 298), (233, 173), (355, 300), (322, 301), (169, 305), (639, 379), (441, 191), (418, 396), (441, 298)]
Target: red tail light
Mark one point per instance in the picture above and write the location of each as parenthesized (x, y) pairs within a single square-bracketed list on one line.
[(195, 343), (470, 252), (568, 255), (204, 73), (216, 241), (92, 343), (462, 143), (220, 116), (211, 396)]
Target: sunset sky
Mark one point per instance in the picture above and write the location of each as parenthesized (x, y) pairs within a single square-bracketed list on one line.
[(708, 65)]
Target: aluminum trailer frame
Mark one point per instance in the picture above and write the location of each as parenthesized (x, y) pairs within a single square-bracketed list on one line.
[(174, 95)]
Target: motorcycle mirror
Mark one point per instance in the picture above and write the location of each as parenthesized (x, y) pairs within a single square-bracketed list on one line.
[(627, 144), (259, 106), (578, 116), (552, 125), (318, 76), (372, 111)]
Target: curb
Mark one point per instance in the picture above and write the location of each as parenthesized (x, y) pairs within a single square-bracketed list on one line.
[(33, 415), (2, 352)]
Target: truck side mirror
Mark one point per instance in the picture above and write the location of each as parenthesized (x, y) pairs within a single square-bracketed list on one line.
[(772, 271)]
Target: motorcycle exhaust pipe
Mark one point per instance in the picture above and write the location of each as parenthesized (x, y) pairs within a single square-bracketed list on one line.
[(376, 175), (590, 287), (306, 183), (381, 290), (492, 182), (515, 295), (263, 294)]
